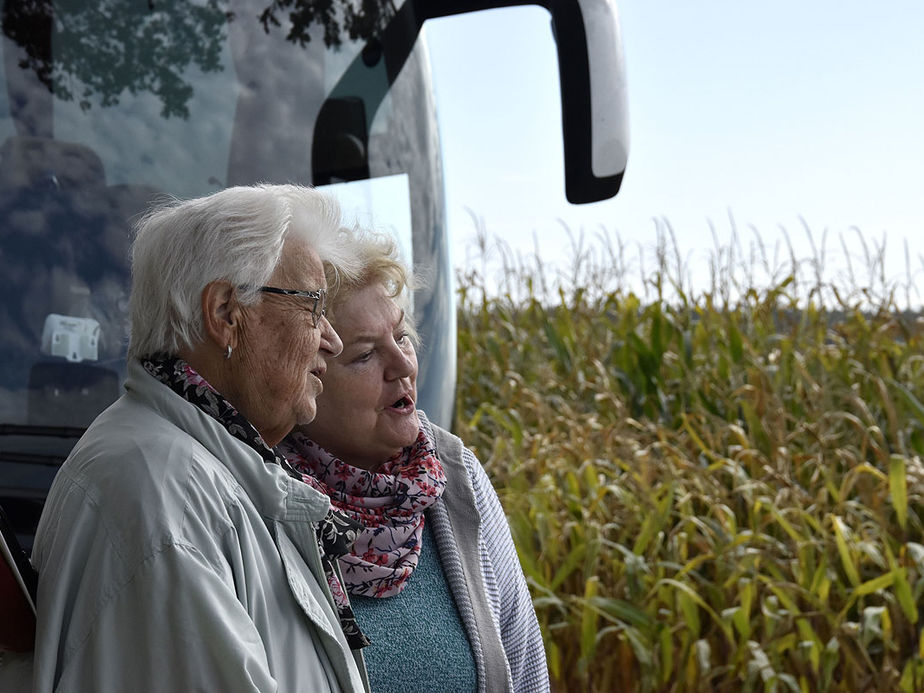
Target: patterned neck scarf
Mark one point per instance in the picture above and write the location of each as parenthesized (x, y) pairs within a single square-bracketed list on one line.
[(335, 533), (389, 502)]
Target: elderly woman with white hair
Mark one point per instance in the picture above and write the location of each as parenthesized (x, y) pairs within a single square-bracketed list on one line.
[(434, 577), (177, 551)]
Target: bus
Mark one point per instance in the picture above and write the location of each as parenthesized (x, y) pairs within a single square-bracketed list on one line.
[(109, 105)]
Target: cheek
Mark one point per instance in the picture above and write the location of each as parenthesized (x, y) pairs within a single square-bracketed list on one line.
[(332, 397), (346, 394), (293, 362), (303, 347)]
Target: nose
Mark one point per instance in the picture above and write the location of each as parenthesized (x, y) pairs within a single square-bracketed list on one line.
[(401, 364), (330, 340)]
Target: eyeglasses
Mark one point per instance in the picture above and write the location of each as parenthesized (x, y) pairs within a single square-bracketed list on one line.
[(317, 308)]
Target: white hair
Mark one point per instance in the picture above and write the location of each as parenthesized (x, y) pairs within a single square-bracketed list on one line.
[(236, 235)]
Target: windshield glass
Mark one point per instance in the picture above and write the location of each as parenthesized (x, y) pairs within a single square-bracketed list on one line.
[(108, 106)]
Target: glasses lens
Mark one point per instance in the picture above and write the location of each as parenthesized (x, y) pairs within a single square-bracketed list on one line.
[(318, 311), (317, 308)]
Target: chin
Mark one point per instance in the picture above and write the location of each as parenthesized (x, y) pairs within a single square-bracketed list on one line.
[(306, 414), (410, 438)]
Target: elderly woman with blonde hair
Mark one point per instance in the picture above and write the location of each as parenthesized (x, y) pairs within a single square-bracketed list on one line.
[(434, 578)]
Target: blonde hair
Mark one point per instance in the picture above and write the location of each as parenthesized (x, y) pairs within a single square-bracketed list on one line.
[(377, 261)]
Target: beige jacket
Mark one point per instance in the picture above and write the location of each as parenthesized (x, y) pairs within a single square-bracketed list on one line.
[(172, 558)]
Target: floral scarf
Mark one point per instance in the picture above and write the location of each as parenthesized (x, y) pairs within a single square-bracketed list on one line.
[(335, 533), (389, 503)]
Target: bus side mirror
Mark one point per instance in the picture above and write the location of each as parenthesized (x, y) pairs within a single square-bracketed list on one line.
[(591, 69), (595, 125)]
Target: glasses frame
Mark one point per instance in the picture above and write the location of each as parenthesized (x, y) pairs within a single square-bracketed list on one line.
[(318, 310)]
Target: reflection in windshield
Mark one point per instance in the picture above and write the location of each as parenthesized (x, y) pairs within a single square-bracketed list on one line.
[(62, 289), (110, 105), (114, 47)]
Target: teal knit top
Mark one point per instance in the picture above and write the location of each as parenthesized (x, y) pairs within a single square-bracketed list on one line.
[(418, 641)]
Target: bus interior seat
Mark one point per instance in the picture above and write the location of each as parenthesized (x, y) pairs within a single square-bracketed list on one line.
[(69, 394)]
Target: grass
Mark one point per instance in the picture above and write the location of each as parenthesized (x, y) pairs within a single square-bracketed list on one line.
[(721, 491)]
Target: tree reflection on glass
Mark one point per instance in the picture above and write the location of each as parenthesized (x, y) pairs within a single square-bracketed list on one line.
[(96, 51), (357, 20)]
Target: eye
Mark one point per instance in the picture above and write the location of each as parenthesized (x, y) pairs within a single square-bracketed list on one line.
[(402, 337), (363, 357)]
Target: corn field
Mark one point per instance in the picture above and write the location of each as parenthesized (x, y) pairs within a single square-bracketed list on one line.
[(707, 492)]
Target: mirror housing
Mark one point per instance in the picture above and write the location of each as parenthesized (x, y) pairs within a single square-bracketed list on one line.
[(595, 124)]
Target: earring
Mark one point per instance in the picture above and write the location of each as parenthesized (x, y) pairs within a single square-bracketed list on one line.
[(228, 352)]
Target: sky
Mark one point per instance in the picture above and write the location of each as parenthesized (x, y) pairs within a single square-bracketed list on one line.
[(787, 120)]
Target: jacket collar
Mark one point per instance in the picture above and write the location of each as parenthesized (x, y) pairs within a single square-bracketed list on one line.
[(275, 494)]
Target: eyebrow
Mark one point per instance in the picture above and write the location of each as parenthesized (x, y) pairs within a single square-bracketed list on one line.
[(361, 338)]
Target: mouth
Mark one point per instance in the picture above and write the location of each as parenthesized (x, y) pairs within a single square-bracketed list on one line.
[(318, 371), (402, 405)]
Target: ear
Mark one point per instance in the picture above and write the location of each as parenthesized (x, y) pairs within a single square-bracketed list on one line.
[(221, 313)]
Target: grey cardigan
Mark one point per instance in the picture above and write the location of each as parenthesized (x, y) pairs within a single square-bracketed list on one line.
[(484, 574)]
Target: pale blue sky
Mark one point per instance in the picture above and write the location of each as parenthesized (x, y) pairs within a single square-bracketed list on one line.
[(770, 111)]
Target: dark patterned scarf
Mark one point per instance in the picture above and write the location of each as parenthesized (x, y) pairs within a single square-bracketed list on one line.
[(335, 533), (389, 502)]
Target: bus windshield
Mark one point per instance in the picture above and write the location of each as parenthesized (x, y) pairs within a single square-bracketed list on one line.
[(108, 106)]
